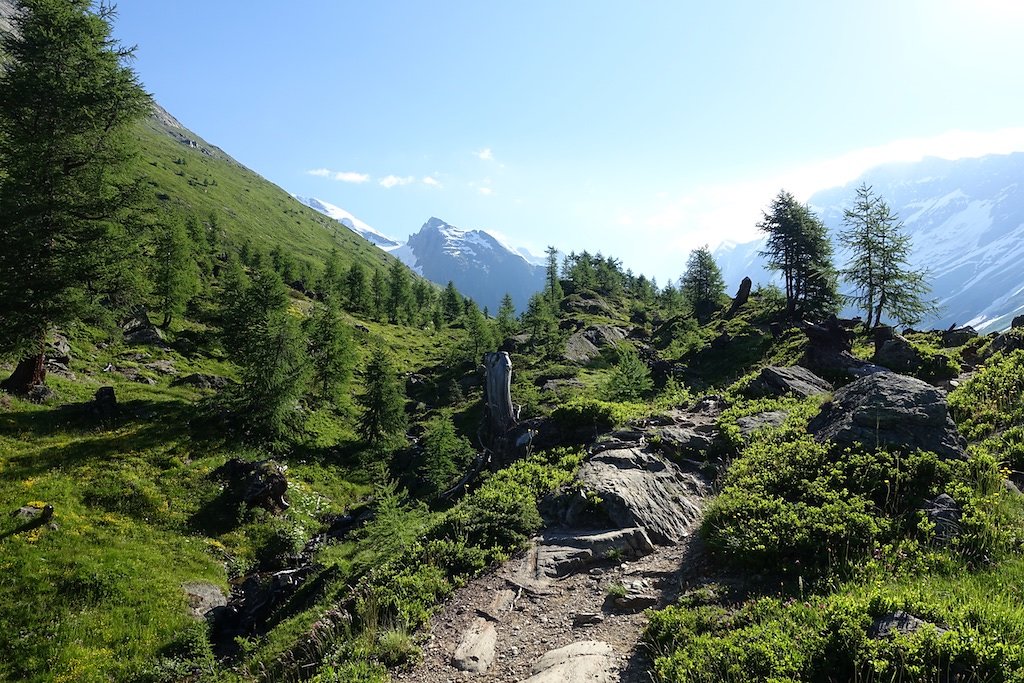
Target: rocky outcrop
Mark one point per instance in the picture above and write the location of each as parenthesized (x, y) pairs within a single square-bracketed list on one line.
[(958, 336), (258, 484), (945, 513), (204, 598), (139, 330), (889, 411), (751, 424), (579, 349), (791, 381), (829, 351), (585, 661), (897, 623), (894, 352), (561, 553), (641, 489)]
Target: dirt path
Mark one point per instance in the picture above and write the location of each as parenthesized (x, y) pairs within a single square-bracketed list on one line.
[(545, 614)]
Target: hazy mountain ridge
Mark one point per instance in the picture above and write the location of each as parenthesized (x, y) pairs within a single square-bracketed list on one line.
[(966, 220)]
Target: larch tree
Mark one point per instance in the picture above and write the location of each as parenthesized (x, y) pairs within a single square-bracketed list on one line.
[(67, 101), (383, 417), (702, 283), (175, 271), (878, 267), (332, 354), (798, 247)]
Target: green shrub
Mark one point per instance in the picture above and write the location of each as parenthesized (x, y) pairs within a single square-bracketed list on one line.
[(601, 415), (991, 400)]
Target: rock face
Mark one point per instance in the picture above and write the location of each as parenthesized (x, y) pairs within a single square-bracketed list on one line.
[(958, 336), (203, 598), (579, 349), (894, 351), (562, 553), (892, 411), (945, 513), (795, 381), (585, 661), (897, 623), (139, 330), (641, 489)]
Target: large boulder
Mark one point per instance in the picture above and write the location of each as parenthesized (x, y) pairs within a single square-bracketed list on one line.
[(641, 489), (587, 661), (958, 336), (564, 552), (791, 381), (579, 349), (603, 336), (890, 411), (894, 352), (139, 330), (829, 351)]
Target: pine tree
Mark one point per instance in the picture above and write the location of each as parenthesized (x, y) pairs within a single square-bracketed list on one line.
[(553, 288), (330, 281), (175, 273), (506, 319), (702, 283), (357, 293), (479, 337), (267, 344), (331, 352), (878, 267), (631, 378), (799, 248), (540, 321), (383, 418), (445, 453), (451, 303), (378, 295), (399, 293), (67, 101)]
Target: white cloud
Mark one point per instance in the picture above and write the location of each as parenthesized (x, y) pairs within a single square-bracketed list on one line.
[(351, 177), (486, 191), (343, 176), (393, 181), (485, 154), (432, 181)]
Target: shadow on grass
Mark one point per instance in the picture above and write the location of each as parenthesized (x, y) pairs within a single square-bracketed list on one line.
[(74, 435)]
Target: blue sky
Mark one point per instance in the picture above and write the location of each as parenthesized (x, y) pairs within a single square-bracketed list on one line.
[(638, 129)]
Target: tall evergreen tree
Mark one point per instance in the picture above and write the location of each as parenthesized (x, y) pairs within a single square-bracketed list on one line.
[(383, 417), (330, 282), (506, 319), (702, 283), (799, 248), (878, 267), (631, 378), (479, 337), (399, 293), (267, 343), (451, 303), (553, 286), (378, 295), (175, 273), (331, 352), (67, 99), (357, 292)]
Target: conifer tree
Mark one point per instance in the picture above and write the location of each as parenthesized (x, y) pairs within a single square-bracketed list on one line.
[(553, 288), (631, 378), (67, 100), (331, 352), (478, 333), (357, 292), (383, 417), (878, 267), (399, 293), (267, 344), (176, 275), (445, 453), (330, 281), (378, 295), (799, 248), (506, 319), (702, 283), (451, 303)]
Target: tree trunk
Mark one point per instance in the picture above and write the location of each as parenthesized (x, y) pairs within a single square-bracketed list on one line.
[(499, 392), (31, 370)]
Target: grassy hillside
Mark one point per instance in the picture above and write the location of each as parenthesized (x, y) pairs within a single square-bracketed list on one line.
[(187, 175)]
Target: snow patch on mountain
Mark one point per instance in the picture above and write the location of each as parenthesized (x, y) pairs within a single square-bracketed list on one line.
[(351, 222)]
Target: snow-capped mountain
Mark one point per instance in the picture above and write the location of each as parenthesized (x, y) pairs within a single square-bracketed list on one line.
[(482, 266), (351, 222), (966, 221)]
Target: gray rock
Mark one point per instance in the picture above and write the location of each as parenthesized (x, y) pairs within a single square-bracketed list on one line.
[(475, 651), (795, 381), (890, 411), (587, 661), (579, 349), (634, 601), (587, 619), (201, 381), (561, 384), (203, 598), (164, 367), (604, 336), (946, 514), (1018, 321), (40, 393), (59, 349), (30, 512), (895, 352), (562, 553), (958, 336), (139, 330), (898, 622), (644, 489)]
